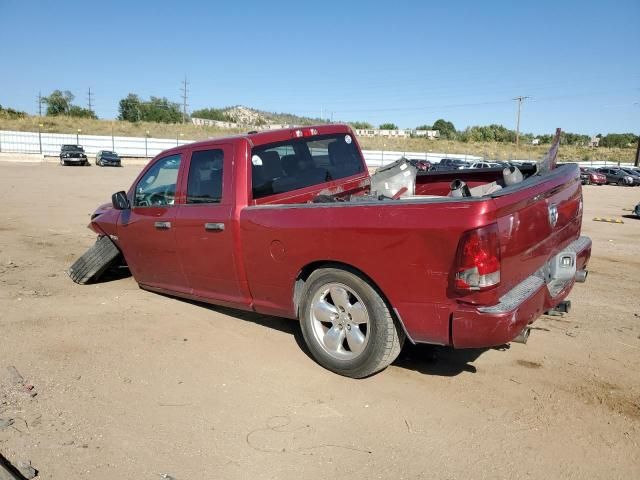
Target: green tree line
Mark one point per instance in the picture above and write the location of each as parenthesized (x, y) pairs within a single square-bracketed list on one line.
[(501, 134)]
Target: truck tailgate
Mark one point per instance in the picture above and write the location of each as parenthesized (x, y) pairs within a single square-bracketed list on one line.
[(536, 221)]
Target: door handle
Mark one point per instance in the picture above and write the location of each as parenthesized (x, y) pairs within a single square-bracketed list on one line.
[(214, 227), (162, 225)]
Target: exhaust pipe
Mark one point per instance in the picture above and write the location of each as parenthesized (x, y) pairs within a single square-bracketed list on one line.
[(523, 336), (562, 307), (581, 276)]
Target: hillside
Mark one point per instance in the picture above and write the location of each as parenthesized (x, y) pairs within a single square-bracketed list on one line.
[(251, 116), (490, 150)]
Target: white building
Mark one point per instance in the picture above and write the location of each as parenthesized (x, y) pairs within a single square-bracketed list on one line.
[(401, 133)]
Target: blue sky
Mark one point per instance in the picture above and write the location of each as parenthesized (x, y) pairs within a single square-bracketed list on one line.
[(407, 62)]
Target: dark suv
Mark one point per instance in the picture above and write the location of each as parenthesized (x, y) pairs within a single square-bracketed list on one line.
[(73, 155)]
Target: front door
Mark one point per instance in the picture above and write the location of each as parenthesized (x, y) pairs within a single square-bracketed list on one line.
[(204, 229), (146, 232)]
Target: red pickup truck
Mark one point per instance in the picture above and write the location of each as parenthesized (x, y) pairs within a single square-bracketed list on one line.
[(285, 223)]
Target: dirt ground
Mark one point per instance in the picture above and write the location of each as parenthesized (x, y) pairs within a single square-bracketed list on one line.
[(135, 385)]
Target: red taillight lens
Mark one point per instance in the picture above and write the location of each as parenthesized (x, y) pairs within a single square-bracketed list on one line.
[(478, 259)]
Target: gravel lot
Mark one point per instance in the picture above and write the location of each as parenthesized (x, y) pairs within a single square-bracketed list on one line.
[(132, 384)]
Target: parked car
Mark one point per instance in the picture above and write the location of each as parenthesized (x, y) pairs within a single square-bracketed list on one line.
[(106, 157), (73, 155), (616, 175), (450, 164), (636, 210), (634, 173), (284, 223), (421, 165), (482, 165), (588, 176)]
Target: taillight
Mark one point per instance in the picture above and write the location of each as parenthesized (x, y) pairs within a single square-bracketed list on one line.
[(478, 259)]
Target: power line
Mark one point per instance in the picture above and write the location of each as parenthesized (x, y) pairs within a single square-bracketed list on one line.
[(184, 99), (519, 99), (89, 99)]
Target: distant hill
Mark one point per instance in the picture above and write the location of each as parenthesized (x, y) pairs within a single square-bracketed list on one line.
[(252, 116)]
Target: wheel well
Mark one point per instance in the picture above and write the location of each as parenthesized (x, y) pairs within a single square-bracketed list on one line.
[(307, 270)]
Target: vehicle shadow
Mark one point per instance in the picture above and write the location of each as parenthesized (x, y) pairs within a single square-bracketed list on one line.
[(426, 359), (439, 360), (114, 273), (631, 217)]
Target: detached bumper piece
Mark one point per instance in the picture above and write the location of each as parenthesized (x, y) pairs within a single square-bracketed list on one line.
[(477, 327), (90, 266)]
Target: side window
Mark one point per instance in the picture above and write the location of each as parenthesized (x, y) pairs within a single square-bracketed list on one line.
[(158, 185), (205, 177)]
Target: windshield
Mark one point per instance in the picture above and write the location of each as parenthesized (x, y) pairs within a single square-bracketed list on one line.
[(302, 162), (72, 147)]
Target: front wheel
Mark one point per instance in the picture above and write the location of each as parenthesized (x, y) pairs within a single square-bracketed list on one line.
[(347, 325)]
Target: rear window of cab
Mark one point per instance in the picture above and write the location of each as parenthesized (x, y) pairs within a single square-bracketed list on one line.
[(303, 162)]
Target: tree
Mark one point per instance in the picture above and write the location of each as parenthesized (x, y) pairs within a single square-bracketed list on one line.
[(424, 127), (58, 103), (76, 111), (388, 126), (361, 125), (156, 109), (129, 108), (161, 110), (212, 114), (619, 140), (11, 113), (446, 129)]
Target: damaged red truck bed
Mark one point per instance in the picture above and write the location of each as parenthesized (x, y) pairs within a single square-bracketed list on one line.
[(285, 223)]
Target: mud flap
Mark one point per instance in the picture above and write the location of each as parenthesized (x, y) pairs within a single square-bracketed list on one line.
[(95, 261)]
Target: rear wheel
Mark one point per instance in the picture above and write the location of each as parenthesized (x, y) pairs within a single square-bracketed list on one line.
[(347, 325)]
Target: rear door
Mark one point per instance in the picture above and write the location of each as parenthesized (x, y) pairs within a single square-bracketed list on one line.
[(146, 232), (205, 227)]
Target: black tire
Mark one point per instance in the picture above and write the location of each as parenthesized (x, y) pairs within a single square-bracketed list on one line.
[(385, 335), (94, 262), (86, 163)]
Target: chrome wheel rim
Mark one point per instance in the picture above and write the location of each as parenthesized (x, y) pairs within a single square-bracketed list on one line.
[(340, 321)]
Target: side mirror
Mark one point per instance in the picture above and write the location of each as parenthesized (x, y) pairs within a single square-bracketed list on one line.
[(120, 201)]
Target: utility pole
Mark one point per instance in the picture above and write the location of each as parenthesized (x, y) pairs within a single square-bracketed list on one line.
[(89, 100), (184, 99), (39, 104), (519, 100)]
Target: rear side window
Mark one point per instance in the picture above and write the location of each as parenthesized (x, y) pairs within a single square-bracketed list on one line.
[(303, 162), (158, 186), (205, 177)]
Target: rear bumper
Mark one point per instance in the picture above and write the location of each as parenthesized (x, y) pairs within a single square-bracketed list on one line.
[(476, 327)]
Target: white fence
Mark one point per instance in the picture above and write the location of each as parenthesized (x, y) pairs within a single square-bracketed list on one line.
[(49, 143), (141, 147)]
